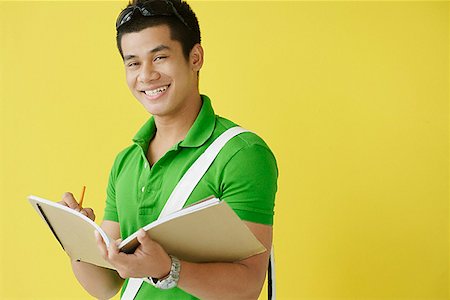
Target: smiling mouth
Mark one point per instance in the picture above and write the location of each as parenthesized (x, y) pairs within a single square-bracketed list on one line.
[(157, 91)]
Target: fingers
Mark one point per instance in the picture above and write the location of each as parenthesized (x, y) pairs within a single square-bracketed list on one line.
[(119, 259), (145, 241), (101, 245), (88, 212), (113, 250), (153, 251), (109, 252), (142, 236), (69, 200), (149, 259)]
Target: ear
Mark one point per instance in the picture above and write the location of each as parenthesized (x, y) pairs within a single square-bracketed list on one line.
[(196, 57)]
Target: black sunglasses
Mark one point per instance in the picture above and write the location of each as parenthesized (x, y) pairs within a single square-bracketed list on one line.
[(149, 9)]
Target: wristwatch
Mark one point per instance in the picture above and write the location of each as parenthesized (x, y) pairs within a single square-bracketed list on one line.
[(171, 280)]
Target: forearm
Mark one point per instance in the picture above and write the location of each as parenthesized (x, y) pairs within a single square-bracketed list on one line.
[(241, 280), (220, 280), (100, 282)]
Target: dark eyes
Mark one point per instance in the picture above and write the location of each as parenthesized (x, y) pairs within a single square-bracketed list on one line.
[(132, 64), (159, 58), (135, 63)]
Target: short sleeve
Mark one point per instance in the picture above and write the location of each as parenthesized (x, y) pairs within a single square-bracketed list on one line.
[(110, 212), (249, 184)]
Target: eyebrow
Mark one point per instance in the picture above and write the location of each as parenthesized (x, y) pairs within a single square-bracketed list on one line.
[(154, 50)]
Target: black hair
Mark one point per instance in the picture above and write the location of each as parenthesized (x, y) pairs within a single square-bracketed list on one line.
[(187, 37)]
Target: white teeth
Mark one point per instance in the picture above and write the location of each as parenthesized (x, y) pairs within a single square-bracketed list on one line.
[(156, 91)]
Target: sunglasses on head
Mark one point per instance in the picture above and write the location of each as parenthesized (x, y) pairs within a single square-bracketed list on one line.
[(149, 9)]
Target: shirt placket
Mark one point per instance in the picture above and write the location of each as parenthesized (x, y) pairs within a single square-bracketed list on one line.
[(149, 190), (144, 187)]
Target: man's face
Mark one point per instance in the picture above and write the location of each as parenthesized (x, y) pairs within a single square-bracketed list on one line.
[(157, 72)]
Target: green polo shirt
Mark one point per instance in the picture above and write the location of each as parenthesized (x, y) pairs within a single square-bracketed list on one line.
[(244, 174)]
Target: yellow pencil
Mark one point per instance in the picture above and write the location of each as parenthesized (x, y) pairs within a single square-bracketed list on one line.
[(82, 196)]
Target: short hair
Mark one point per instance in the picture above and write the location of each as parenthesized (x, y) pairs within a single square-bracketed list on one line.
[(187, 37)]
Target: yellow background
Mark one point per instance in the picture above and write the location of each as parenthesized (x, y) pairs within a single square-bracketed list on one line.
[(351, 96)]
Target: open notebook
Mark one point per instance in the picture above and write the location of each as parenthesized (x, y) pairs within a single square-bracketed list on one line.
[(207, 231)]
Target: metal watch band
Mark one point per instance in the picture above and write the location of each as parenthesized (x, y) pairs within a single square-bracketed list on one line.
[(171, 280)]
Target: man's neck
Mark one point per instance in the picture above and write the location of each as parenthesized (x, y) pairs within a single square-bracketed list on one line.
[(172, 129)]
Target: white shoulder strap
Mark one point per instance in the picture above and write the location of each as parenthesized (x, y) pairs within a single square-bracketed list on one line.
[(195, 173), (184, 189)]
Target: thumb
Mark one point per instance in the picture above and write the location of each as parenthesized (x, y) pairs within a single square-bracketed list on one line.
[(143, 238)]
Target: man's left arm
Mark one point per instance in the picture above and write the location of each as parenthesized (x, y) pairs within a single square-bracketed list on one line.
[(239, 280)]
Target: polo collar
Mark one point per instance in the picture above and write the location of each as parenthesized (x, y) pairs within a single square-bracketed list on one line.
[(203, 126), (199, 133), (145, 134)]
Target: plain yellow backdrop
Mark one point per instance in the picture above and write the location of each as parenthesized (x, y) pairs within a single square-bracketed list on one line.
[(351, 96)]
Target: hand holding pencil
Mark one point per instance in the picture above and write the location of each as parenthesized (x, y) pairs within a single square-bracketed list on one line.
[(69, 200)]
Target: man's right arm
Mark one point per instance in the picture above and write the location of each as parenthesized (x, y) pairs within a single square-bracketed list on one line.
[(102, 283)]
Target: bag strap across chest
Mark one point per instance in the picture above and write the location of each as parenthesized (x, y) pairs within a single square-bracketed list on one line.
[(184, 189), (195, 173)]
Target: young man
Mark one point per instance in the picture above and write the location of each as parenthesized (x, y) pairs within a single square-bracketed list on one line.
[(159, 42)]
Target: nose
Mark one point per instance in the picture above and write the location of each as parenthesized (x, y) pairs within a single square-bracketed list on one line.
[(148, 73)]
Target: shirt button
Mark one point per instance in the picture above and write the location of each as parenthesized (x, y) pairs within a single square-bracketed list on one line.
[(145, 165), (143, 189)]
